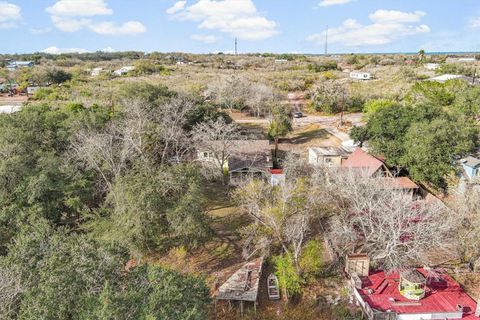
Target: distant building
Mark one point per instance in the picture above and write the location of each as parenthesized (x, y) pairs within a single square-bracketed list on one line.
[(446, 77), (360, 75), (95, 72), (460, 59), (14, 65), (32, 90), (328, 156), (431, 66), (123, 70)]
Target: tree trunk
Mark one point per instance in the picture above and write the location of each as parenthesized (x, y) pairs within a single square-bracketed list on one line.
[(275, 161)]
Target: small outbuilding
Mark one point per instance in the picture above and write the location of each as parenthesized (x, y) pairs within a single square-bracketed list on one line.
[(360, 75), (243, 285)]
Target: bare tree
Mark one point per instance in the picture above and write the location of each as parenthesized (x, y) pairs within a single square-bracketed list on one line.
[(10, 291), (468, 206), (215, 142), (386, 224), (282, 215), (144, 131)]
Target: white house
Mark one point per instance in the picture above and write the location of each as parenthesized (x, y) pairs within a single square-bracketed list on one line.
[(445, 77), (14, 65), (328, 156), (95, 72), (123, 70), (432, 66), (360, 75)]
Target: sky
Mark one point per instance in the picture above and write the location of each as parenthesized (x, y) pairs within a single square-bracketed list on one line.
[(205, 26)]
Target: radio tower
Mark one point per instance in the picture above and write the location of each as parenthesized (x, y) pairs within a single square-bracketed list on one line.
[(326, 41), (236, 46)]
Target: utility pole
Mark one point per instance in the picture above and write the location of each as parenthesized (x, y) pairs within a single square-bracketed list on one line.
[(236, 46), (326, 41)]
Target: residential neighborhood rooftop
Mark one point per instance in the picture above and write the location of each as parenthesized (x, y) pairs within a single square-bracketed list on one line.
[(332, 151), (360, 159), (471, 162), (443, 295)]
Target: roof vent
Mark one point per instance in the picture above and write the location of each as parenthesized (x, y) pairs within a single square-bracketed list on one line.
[(459, 307)]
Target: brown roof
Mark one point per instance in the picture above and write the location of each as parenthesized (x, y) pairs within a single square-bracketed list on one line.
[(360, 159), (243, 284), (400, 183)]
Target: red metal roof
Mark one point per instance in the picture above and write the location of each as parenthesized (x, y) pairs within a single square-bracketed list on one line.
[(363, 160), (443, 294), (276, 171)]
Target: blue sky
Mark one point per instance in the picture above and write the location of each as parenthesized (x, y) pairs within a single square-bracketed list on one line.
[(204, 26)]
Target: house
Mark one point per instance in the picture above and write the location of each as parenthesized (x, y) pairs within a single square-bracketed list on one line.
[(95, 72), (13, 65), (412, 294), (360, 75), (471, 167), (403, 184), (251, 157), (445, 77), (328, 156), (243, 285), (369, 165), (31, 90), (431, 66), (123, 70), (10, 108), (247, 157)]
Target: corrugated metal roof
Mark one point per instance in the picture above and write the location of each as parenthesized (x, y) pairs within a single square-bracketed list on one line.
[(243, 284), (360, 159), (332, 151)]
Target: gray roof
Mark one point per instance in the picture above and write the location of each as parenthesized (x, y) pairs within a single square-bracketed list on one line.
[(471, 162), (243, 284), (332, 151)]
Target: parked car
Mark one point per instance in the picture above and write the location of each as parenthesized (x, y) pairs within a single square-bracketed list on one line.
[(298, 114)]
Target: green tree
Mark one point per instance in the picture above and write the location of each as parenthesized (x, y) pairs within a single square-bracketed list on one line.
[(288, 278), (154, 208), (432, 147), (280, 125), (70, 276)]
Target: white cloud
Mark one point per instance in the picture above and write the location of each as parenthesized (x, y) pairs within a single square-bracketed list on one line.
[(328, 3), (386, 27), (475, 23), (393, 16), (208, 39), (108, 50), (80, 8), (55, 50), (76, 15), (238, 18), (9, 15), (178, 6), (110, 28), (38, 31), (69, 24)]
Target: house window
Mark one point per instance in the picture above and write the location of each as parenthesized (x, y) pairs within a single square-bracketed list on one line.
[(328, 161)]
